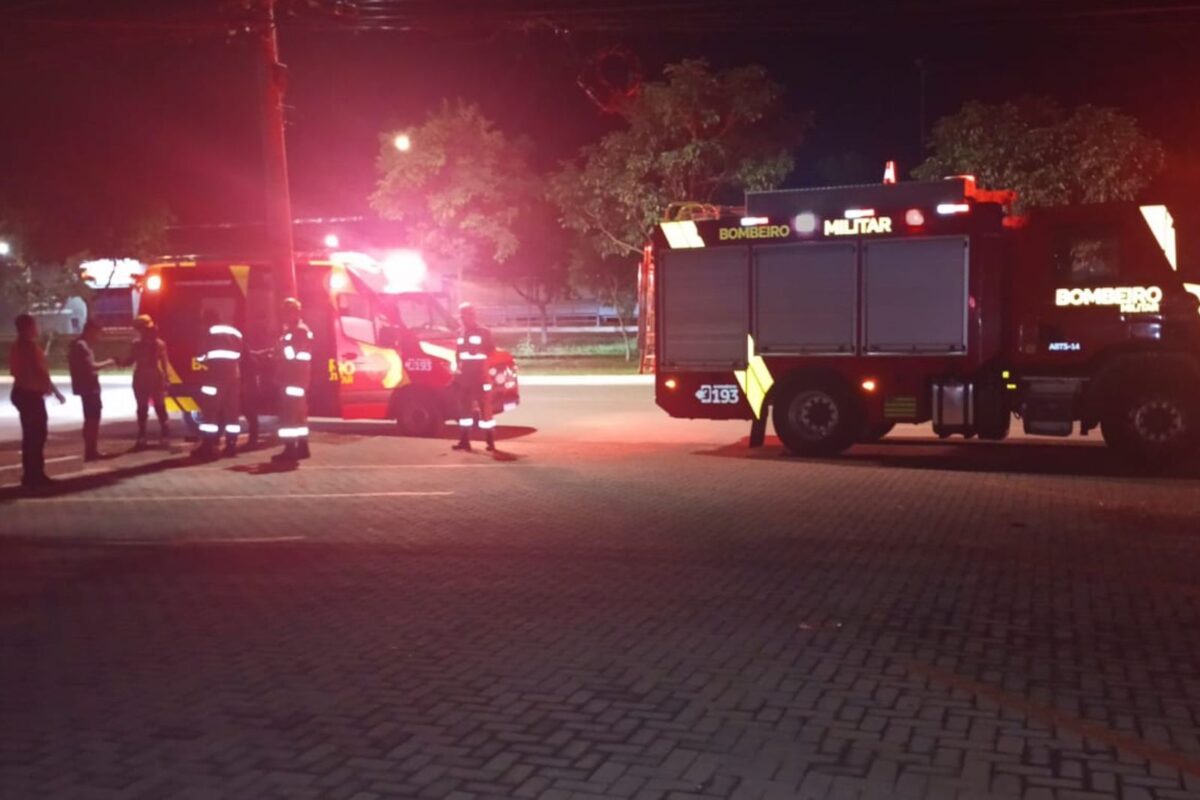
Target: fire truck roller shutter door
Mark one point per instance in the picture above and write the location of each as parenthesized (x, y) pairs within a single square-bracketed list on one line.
[(915, 292), (705, 306), (806, 298)]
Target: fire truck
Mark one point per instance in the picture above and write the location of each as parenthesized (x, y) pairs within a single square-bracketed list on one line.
[(382, 349), (846, 310)]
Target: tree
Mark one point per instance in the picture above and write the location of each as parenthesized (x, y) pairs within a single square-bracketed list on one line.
[(539, 270), (470, 199), (609, 280), (458, 188), (1048, 154), (696, 135)]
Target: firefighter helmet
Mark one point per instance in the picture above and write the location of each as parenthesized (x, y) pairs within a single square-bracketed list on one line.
[(291, 304), (143, 322)]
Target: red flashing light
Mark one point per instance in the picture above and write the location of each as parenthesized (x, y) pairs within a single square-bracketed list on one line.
[(914, 218), (153, 282), (869, 385), (670, 383)]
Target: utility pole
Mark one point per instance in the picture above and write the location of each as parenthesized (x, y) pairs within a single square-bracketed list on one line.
[(273, 76), (922, 74)]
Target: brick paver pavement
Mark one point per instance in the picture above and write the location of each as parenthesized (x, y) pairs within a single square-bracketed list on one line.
[(651, 616)]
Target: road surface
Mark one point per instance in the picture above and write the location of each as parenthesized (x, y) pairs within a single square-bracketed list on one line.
[(615, 605)]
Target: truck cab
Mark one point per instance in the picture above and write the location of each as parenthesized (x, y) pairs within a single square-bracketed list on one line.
[(382, 349)]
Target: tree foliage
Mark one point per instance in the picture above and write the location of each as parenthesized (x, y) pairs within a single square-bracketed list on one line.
[(695, 135), (459, 189), (1050, 155)]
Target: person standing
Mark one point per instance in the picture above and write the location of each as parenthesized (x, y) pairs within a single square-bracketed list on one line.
[(220, 353), (31, 384), (293, 369), (148, 357), (472, 381), (85, 383)]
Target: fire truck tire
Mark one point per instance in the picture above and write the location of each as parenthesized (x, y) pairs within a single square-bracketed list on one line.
[(1154, 422), (873, 433), (418, 413), (818, 418)]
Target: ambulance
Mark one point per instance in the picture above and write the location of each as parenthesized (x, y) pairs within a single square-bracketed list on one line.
[(383, 348)]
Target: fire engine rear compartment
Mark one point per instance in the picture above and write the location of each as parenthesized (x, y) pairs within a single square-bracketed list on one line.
[(879, 298)]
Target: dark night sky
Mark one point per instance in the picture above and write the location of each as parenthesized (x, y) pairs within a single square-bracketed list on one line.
[(114, 116)]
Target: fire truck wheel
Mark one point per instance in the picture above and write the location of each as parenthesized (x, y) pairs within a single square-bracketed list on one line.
[(418, 413), (873, 433), (817, 419), (1155, 423)]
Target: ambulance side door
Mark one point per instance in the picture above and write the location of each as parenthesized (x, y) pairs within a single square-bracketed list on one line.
[(362, 365)]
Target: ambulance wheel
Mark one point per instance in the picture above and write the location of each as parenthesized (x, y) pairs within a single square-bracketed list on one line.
[(1155, 422), (873, 433), (418, 413), (817, 419)]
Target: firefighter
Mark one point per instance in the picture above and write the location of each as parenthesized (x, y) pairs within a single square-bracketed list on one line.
[(148, 357), (219, 413), (293, 366), (473, 381)]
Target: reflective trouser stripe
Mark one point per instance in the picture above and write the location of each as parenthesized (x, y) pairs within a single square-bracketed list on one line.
[(487, 424), (234, 429), (209, 427), (294, 391), (293, 433), (211, 391), (466, 422)]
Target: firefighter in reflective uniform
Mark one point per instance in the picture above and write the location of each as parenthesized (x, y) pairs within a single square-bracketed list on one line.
[(473, 382), (222, 387), (293, 366)]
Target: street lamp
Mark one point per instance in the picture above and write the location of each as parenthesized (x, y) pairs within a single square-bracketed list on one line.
[(5, 249), (402, 142)]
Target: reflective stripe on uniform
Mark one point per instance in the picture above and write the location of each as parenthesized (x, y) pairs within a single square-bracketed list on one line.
[(472, 356), (294, 391), (487, 424), (228, 330), (475, 339), (303, 356), (234, 429), (209, 427), (222, 355), (289, 352), (211, 391), (487, 387), (466, 422), (293, 433)]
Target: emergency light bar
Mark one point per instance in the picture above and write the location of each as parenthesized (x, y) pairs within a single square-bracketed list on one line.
[(946, 209)]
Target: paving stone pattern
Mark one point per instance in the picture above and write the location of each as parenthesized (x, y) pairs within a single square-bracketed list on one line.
[(603, 621)]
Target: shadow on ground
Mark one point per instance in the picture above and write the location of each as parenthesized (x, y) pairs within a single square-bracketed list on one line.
[(386, 428), (1022, 457)]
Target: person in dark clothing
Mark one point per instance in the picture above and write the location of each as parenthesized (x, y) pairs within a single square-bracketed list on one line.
[(473, 382), (31, 384), (85, 382), (148, 357), (221, 354)]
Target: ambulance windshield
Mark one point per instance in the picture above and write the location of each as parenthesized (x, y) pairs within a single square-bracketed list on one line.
[(420, 312)]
